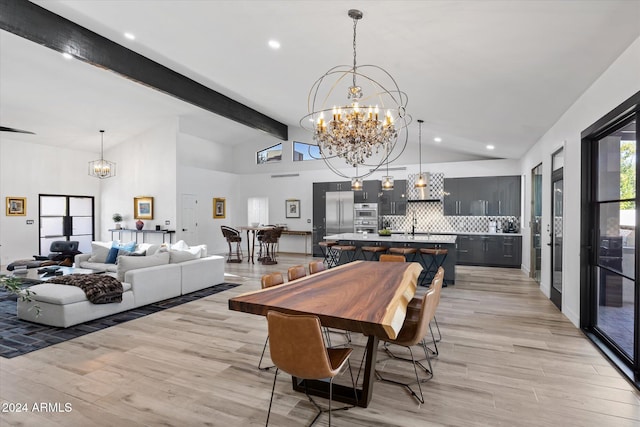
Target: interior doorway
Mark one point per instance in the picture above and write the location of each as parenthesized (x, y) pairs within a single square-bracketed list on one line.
[(66, 218), (557, 193), (188, 220), (536, 224)]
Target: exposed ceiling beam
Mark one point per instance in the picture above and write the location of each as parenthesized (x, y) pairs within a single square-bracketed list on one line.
[(41, 26)]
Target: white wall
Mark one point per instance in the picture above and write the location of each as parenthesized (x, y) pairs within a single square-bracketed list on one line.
[(27, 170), (199, 165), (146, 166), (617, 83)]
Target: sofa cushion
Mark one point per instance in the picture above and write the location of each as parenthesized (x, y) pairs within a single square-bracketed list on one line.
[(182, 256), (98, 266), (99, 251), (62, 294), (126, 263)]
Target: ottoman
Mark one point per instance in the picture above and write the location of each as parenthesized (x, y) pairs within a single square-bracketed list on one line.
[(64, 305)]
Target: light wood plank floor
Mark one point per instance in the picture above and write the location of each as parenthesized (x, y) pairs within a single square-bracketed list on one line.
[(507, 357)]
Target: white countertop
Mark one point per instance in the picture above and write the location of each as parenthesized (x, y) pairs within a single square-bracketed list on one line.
[(459, 233), (396, 238)]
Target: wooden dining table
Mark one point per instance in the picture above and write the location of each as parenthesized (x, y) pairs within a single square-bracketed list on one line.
[(363, 296)]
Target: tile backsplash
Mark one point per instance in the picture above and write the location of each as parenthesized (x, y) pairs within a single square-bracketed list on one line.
[(429, 216)]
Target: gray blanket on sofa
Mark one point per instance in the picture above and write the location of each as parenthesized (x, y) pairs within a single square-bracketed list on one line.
[(99, 288)]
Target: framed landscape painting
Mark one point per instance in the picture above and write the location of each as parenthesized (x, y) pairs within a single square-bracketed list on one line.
[(143, 207), (16, 206)]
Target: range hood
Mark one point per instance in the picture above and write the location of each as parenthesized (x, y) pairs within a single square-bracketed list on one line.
[(424, 194)]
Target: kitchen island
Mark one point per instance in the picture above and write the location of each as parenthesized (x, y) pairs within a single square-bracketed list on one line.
[(400, 240)]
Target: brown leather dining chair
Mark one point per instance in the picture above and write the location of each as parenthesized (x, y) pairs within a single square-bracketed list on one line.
[(298, 349), (392, 258), (413, 332), (296, 272), (415, 303), (267, 281), (316, 267)]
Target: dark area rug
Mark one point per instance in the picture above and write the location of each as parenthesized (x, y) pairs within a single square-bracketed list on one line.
[(18, 337)]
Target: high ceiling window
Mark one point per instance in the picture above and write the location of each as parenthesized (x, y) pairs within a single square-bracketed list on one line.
[(303, 151), (268, 155)]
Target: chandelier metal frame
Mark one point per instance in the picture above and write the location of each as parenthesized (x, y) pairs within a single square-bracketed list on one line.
[(372, 130)]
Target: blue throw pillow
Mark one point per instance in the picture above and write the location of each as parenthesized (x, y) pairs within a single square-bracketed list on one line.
[(130, 247), (112, 256)]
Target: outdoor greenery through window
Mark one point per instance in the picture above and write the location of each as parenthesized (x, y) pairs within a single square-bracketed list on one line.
[(303, 151), (268, 155)]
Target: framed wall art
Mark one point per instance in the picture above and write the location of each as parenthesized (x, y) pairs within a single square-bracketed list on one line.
[(16, 206), (219, 208), (292, 208), (143, 207)]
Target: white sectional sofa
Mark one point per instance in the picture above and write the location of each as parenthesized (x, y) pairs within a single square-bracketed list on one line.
[(145, 279)]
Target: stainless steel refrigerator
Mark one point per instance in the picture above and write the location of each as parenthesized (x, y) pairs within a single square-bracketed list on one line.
[(339, 212)]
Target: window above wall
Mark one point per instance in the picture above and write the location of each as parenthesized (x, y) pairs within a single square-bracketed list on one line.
[(303, 151), (269, 155)]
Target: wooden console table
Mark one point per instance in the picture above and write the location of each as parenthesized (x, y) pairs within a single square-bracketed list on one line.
[(164, 233)]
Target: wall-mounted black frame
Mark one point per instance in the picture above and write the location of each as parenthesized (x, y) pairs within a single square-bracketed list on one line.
[(624, 113)]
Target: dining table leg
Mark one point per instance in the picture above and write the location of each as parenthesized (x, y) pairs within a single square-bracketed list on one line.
[(343, 393)]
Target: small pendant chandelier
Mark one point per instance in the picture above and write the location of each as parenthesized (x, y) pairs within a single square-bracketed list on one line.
[(421, 181), (387, 181), (102, 168)]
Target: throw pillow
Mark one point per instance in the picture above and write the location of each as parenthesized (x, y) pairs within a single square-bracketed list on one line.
[(203, 250), (112, 256), (127, 263), (99, 251), (180, 246)]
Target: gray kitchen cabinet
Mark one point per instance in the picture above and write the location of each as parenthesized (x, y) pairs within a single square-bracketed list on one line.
[(369, 193), (482, 196), (394, 202), (339, 186), (496, 250)]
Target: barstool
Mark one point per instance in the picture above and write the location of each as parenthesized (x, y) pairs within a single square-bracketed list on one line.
[(233, 236), (348, 250), (406, 251), (375, 252), (433, 259), (329, 256)]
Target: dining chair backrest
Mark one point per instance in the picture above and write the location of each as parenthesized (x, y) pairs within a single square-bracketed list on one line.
[(316, 267), (392, 258), (271, 279), (229, 233), (436, 283), (296, 272), (412, 332), (297, 346)]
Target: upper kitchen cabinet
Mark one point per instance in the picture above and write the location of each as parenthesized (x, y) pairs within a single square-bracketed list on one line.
[(394, 202), (509, 196), (482, 196), (339, 186), (369, 193)]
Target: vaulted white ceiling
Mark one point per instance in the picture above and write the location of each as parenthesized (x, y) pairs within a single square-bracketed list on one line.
[(477, 72)]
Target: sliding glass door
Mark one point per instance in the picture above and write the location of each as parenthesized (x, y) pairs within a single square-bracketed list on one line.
[(610, 293), (66, 218)]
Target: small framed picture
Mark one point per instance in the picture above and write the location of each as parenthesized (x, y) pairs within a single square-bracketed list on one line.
[(16, 206), (143, 207), (292, 208), (219, 207)]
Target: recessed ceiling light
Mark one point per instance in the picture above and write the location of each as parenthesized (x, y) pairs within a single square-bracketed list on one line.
[(274, 44), (130, 36), (490, 147), (437, 139), (66, 55)]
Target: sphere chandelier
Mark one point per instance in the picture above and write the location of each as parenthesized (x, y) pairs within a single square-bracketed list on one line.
[(366, 132)]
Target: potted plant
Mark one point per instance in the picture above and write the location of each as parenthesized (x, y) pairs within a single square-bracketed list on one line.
[(117, 218)]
